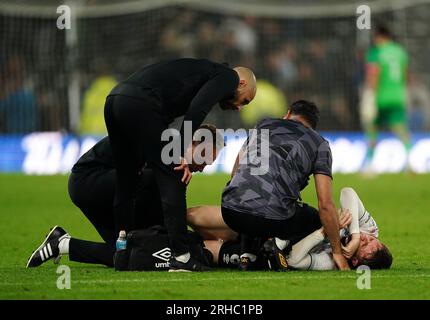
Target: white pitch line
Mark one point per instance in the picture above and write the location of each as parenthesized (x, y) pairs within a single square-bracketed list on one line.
[(143, 280)]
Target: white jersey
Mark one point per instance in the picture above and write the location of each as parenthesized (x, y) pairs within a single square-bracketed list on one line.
[(315, 253), (368, 224), (311, 253)]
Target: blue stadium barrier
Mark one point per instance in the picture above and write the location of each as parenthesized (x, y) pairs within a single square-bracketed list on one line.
[(47, 153)]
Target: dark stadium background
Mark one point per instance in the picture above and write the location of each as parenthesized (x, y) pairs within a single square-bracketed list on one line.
[(306, 49)]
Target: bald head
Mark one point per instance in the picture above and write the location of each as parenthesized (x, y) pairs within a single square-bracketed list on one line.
[(247, 75), (246, 89)]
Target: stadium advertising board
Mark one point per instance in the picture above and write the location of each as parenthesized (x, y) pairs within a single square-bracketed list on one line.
[(55, 153)]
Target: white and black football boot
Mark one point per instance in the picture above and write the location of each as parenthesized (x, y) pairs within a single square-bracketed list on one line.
[(276, 257), (49, 248)]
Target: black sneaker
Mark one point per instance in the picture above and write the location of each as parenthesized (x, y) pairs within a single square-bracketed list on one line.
[(190, 266), (275, 256), (49, 248)]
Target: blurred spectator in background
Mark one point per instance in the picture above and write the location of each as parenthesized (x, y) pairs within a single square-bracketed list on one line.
[(314, 58), (339, 110), (305, 82), (207, 37), (418, 104), (269, 35), (227, 50), (281, 66), (244, 37), (18, 104), (92, 115), (177, 39), (324, 69), (244, 33), (269, 102), (50, 75)]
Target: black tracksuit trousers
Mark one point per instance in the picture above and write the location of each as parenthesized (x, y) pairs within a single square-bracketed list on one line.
[(92, 190), (135, 126)]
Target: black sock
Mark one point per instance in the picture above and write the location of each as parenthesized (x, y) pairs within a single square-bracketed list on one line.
[(229, 255)]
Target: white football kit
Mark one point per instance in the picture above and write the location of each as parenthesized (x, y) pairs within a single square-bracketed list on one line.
[(314, 252)]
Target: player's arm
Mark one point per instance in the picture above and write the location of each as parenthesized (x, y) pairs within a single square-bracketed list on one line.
[(372, 69), (329, 218), (351, 248), (350, 201), (371, 84), (299, 257), (372, 76), (368, 103), (320, 261), (212, 92), (327, 210)]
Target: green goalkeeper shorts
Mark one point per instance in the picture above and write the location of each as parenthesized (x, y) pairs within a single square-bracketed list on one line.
[(388, 117)]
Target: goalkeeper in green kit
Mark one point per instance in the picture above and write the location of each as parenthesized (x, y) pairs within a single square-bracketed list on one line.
[(385, 90)]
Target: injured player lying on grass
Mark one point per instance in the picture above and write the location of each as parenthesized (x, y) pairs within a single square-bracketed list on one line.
[(359, 233)]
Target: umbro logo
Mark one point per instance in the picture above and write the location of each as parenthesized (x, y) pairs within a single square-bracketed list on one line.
[(163, 254), (233, 259), (226, 258)]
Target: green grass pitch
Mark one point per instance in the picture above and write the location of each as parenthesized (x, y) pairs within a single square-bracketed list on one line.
[(30, 205)]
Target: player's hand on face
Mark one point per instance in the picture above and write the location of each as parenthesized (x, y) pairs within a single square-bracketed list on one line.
[(345, 219), (347, 252), (351, 248), (340, 262), (186, 178)]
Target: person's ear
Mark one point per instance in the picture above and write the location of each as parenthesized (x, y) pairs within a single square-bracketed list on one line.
[(242, 82), (288, 115)]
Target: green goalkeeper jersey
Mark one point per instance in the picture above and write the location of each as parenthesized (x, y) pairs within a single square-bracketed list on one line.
[(392, 61)]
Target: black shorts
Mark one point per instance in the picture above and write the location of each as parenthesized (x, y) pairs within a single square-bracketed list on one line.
[(305, 221)]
